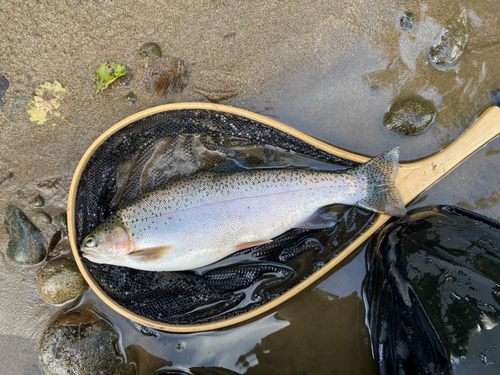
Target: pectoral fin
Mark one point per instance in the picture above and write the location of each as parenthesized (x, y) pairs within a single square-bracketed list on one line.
[(246, 245), (150, 255)]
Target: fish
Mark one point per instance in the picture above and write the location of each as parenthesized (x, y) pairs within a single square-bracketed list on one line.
[(202, 218)]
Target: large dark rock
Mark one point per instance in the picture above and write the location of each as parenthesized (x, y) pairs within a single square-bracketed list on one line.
[(79, 342), (433, 294), (26, 244)]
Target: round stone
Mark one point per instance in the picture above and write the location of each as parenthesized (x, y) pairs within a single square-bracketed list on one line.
[(60, 281), (410, 116), (80, 342)]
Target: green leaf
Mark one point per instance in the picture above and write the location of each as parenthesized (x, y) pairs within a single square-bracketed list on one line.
[(107, 74)]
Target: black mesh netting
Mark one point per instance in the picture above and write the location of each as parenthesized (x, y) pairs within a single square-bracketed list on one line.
[(166, 146)]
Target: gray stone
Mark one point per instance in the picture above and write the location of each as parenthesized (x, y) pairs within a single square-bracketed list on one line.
[(60, 281), (79, 342), (410, 116), (4, 85), (26, 244), (446, 52)]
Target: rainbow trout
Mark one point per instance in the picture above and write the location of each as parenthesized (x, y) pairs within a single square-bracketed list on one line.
[(205, 217)]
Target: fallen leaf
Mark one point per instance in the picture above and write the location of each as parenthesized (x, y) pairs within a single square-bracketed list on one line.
[(47, 99), (107, 74)]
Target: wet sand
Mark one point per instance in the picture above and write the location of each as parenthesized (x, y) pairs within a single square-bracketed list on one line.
[(329, 69)]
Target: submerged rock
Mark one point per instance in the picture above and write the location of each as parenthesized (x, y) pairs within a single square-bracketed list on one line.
[(26, 245), (130, 98), (79, 341), (37, 201), (406, 21), (166, 75), (60, 281), (451, 43), (61, 221), (4, 85), (433, 294), (150, 50), (41, 217), (410, 116)]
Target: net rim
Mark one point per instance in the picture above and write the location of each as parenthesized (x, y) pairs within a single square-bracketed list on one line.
[(242, 317)]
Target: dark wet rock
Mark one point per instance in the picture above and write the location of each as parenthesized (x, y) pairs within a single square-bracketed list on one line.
[(37, 201), (26, 245), (60, 281), (451, 44), (166, 75), (79, 341), (406, 21), (59, 245), (433, 294), (42, 217), (410, 116), (61, 221), (151, 50), (4, 85), (130, 98), (495, 96)]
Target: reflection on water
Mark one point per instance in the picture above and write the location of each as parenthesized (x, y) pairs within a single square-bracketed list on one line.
[(318, 331)]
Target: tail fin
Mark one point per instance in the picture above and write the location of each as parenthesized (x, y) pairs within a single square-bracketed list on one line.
[(383, 195)]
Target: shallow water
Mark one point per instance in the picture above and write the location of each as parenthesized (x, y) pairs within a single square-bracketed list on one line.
[(328, 68)]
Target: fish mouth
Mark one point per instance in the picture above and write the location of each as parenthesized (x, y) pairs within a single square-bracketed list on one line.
[(89, 255)]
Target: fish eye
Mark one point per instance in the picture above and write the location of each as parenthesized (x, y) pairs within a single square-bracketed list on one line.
[(90, 241)]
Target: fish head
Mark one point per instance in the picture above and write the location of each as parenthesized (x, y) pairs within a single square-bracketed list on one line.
[(108, 243)]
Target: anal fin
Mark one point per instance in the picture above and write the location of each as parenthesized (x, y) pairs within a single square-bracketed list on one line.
[(246, 245)]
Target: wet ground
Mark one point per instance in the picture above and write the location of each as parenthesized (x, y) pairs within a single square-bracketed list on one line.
[(328, 68)]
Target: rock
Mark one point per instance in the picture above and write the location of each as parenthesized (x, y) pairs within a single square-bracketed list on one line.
[(26, 245), (79, 341), (61, 221), (42, 217), (130, 98), (164, 75), (410, 116), (37, 201), (4, 85), (406, 21), (495, 96), (150, 50), (59, 245), (451, 44), (60, 281)]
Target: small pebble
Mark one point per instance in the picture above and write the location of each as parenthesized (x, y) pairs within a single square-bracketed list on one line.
[(446, 52), (61, 221), (80, 342), (60, 281), (42, 217), (495, 96), (25, 245), (37, 201), (406, 21), (151, 50), (410, 116), (4, 85), (18, 103), (130, 98)]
